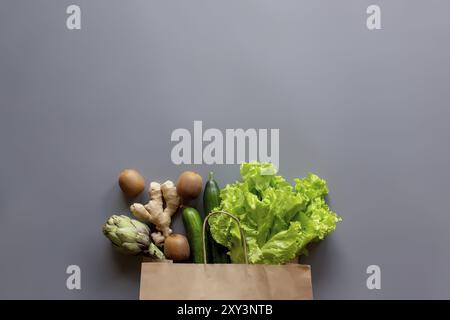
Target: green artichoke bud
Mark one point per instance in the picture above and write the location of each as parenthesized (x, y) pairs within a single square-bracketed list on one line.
[(154, 251), (127, 235)]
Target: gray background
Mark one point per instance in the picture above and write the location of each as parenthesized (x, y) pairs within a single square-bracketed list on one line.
[(366, 110)]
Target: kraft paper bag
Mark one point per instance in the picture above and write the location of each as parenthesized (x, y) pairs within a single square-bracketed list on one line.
[(169, 281)]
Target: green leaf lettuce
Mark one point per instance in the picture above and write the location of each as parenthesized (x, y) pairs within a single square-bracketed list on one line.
[(278, 219)]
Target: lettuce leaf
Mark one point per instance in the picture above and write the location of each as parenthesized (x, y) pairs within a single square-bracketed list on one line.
[(278, 219)]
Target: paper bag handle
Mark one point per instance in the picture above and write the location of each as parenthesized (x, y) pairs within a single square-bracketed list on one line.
[(244, 242)]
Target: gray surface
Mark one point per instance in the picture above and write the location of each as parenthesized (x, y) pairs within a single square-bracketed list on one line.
[(368, 111)]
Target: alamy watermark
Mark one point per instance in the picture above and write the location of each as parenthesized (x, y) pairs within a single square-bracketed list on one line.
[(373, 21), (73, 281), (73, 21), (229, 146), (374, 279)]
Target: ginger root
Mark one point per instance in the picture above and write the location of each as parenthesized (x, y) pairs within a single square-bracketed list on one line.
[(154, 211)]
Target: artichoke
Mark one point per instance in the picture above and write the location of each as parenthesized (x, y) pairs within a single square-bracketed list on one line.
[(129, 236)]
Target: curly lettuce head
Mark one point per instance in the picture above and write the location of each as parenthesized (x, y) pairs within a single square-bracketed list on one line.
[(279, 220)]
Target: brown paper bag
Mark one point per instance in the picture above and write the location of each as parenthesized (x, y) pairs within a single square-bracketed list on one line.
[(185, 281), (171, 281)]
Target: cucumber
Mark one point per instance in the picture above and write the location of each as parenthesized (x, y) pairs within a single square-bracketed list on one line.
[(193, 224), (211, 200), (211, 195)]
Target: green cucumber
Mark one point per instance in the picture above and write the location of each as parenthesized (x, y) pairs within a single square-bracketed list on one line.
[(193, 224), (211, 200)]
